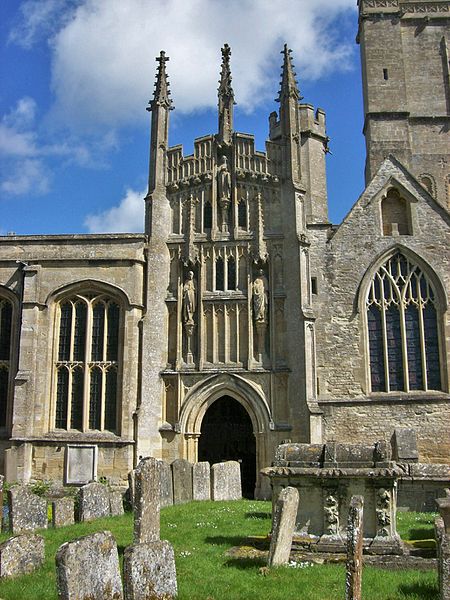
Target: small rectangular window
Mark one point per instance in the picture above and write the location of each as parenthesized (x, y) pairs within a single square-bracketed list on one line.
[(385, 74), (314, 285)]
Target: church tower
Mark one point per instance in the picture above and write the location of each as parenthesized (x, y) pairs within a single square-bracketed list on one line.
[(406, 86), (228, 348)]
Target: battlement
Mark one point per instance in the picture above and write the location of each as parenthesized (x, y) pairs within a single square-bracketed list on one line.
[(405, 8), (312, 122)]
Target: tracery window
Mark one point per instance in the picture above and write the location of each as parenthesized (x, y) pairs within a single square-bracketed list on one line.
[(402, 328), (5, 356), (87, 363)]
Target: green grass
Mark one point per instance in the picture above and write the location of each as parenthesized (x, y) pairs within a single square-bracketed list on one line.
[(202, 533)]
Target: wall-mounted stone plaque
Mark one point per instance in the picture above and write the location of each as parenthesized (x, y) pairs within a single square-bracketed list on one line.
[(81, 464)]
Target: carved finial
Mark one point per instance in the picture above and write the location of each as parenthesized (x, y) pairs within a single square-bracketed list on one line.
[(226, 98), (288, 85), (161, 96)]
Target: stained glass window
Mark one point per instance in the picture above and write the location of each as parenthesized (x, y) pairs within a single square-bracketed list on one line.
[(402, 328), (5, 356)]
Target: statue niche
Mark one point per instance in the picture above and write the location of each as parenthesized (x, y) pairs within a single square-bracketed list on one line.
[(189, 308), (224, 191), (260, 294)]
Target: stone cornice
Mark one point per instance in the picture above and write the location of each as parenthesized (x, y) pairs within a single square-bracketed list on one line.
[(404, 8)]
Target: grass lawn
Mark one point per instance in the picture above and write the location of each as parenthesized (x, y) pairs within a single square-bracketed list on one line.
[(202, 532)]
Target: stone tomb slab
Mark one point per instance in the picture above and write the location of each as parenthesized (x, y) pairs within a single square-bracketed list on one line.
[(226, 481), (182, 481), (201, 481), (149, 572), (21, 555), (93, 502), (27, 511), (88, 569), (63, 512)]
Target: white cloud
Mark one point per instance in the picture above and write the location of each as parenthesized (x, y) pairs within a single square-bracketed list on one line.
[(128, 216), (103, 52), (29, 176)]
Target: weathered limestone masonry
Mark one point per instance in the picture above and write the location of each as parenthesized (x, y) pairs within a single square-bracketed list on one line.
[(242, 317)]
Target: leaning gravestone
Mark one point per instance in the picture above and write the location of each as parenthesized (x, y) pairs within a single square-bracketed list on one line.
[(21, 555), (27, 511), (354, 549), (88, 569), (93, 502), (146, 506), (165, 473), (63, 512), (115, 503), (149, 572), (201, 481), (226, 481), (182, 481), (283, 527)]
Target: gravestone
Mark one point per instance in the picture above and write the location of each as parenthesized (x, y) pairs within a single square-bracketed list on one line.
[(354, 549), (226, 481), (149, 572), (146, 505), (165, 473), (404, 445), (63, 512), (283, 527), (131, 487), (21, 555), (201, 481), (93, 502), (182, 481), (2, 479), (27, 511), (115, 503), (88, 569), (443, 558)]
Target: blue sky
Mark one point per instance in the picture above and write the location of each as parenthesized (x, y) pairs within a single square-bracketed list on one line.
[(77, 75)]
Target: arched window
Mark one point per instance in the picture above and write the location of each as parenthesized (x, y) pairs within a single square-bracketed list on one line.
[(207, 215), (220, 279), (87, 363), (395, 212), (5, 356), (242, 214), (231, 273), (428, 183), (402, 328)]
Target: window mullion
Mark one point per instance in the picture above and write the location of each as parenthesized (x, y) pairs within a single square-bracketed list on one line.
[(422, 344), (401, 308), (72, 329), (69, 399), (103, 399), (385, 340), (105, 333), (87, 373)]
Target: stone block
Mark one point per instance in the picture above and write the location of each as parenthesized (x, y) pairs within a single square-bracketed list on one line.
[(21, 555), (182, 481), (353, 577), (300, 455), (93, 502), (115, 503), (149, 572), (443, 557), (283, 527), (88, 569), (226, 481), (404, 445), (146, 505), (165, 473), (63, 512), (201, 481), (27, 511)]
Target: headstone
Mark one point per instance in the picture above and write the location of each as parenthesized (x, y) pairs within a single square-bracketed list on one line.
[(182, 481), (63, 512), (2, 479), (21, 554), (354, 549), (93, 502), (404, 445), (116, 503), (165, 473), (444, 510), (147, 501), (283, 527), (81, 464), (201, 481), (88, 569), (149, 572), (27, 511), (131, 487), (226, 481), (443, 558)]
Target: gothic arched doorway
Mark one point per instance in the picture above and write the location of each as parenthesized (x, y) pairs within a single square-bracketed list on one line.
[(227, 434)]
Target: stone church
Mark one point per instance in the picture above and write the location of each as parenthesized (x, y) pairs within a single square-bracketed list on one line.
[(242, 317)]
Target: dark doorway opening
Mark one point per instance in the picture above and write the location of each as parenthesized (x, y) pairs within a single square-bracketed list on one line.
[(227, 434)]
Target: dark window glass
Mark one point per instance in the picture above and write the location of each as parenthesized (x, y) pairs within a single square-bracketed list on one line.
[(432, 348), (5, 329), (413, 348), (62, 396), (4, 380), (98, 328), (231, 266), (95, 400), (65, 331), (111, 400), (376, 350), (113, 332), (76, 417), (219, 274), (394, 349), (79, 346), (207, 216), (242, 214)]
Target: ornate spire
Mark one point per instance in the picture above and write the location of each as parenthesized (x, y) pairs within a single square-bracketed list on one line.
[(288, 85), (226, 98), (161, 95)]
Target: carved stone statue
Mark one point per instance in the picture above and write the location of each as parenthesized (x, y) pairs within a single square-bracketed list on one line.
[(223, 180), (189, 301), (331, 511), (260, 298)]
